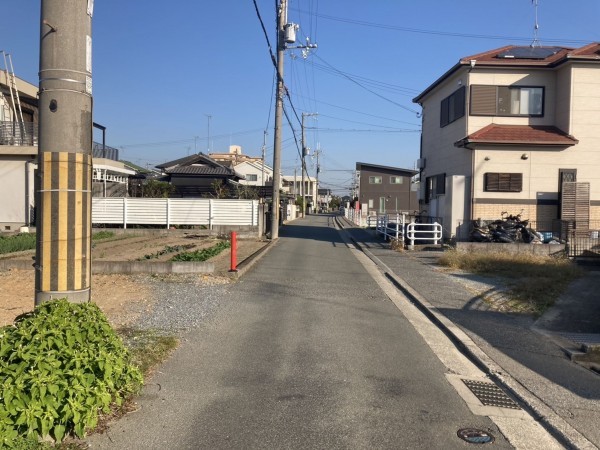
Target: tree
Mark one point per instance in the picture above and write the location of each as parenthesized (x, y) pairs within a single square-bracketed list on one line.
[(335, 202), (220, 189), (152, 189)]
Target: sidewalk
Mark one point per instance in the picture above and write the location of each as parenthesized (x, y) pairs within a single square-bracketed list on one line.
[(527, 357)]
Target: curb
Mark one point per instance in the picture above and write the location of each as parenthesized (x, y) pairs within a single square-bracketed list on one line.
[(247, 263), (552, 422)]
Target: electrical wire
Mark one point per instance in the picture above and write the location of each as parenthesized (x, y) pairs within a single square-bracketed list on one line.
[(440, 33), (366, 88)]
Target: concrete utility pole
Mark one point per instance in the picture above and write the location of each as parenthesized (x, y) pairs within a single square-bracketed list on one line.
[(281, 21), (64, 189), (304, 153), (264, 146), (317, 154)]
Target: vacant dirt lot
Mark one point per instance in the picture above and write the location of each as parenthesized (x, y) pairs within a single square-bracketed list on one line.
[(119, 296)]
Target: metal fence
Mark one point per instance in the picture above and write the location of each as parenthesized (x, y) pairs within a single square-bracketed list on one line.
[(410, 228), (174, 211), (391, 227), (18, 133)]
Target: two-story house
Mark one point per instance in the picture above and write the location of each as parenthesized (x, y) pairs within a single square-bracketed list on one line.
[(385, 189), (514, 129)]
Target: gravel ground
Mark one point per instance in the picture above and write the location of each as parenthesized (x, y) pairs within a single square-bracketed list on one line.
[(182, 302)]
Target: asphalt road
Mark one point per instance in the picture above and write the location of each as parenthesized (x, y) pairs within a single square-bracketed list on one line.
[(308, 351)]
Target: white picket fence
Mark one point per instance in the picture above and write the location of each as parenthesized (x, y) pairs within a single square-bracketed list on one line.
[(174, 211)]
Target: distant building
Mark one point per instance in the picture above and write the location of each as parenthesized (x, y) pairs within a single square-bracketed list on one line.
[(198, 176), (385, 189), (234, 157)]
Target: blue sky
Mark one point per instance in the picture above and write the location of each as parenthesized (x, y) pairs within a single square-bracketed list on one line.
[(161, 68)]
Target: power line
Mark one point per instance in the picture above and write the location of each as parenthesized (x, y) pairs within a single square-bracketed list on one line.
[(351, 130), (442, 33), (366, 88), (362, 112), (362, 123)]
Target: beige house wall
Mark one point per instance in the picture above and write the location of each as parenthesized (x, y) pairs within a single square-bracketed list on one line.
[(438, 143)]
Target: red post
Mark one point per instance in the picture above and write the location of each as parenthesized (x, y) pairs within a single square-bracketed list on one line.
[(233, 252)]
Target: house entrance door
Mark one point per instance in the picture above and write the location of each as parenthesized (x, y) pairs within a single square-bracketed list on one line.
[(381, 205)]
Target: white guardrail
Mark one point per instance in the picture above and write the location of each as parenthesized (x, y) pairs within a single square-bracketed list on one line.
[(396, 227), (391, 228), (174, 211), (423, 232)]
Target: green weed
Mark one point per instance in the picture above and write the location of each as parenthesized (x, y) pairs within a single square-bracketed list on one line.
[(203, 254), (60, 366)]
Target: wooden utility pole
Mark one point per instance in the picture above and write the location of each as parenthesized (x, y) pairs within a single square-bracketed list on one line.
[(64, 188)]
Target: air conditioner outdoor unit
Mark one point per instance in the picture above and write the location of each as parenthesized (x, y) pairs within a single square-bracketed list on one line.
[(421, 163)]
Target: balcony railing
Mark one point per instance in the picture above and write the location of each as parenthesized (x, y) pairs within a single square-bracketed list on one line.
[(19, 133)]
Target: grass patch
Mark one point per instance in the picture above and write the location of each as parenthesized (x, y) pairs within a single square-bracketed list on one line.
[(17, 243), (147, 348), (535, 281), (203, 254), (27, 241), (100, 235)]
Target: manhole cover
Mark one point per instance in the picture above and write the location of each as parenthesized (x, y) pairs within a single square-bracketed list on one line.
[(490, 395), (475, 436)]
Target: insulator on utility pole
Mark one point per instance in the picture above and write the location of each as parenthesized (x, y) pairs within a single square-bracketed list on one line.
[(64, 186)]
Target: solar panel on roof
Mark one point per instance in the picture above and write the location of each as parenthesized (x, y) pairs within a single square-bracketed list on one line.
[(529, 52)]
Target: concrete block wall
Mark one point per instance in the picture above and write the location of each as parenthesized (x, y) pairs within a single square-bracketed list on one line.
[(517, 248)]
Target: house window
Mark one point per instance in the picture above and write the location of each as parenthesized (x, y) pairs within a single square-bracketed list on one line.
[(370, 203), (375, 180), (507, 101), (434, 186), (396, 180), (503, 182), (453, 107), (251, 177)]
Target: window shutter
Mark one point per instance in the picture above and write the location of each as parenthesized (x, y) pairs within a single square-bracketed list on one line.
[(459, 103), (483, 100), (440, 184), (444, 113)]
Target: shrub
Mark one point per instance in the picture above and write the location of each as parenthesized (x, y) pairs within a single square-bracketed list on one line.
[(60, 366), (17, 243)]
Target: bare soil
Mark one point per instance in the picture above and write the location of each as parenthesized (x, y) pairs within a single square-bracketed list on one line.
[(120, 296)]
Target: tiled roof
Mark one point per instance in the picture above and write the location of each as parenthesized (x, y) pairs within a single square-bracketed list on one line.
[(199, 158), (518, 135), (493, 57), (200, 170), (520, 56)]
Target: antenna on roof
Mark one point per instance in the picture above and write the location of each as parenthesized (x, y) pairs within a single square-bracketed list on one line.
[(536, 42)]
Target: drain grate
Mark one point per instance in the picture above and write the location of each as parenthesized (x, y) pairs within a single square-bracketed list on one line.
[(490, 395), (582, 338)]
